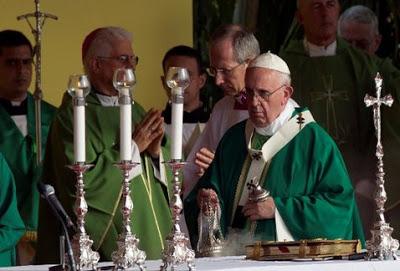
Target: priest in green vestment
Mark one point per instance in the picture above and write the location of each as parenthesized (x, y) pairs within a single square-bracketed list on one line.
[(11, 225), (287, 153), (358, 25), (331, 78), (103, 51), (17, 131)]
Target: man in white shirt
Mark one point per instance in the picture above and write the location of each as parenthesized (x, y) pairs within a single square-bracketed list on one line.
[(231, 49)]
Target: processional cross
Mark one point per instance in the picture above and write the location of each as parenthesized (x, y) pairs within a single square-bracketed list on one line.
[(381, 245)]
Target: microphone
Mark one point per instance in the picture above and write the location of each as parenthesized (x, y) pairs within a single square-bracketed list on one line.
[(48, 193)]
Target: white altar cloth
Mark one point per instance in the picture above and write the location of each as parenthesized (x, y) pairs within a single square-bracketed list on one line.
[(238, 263)]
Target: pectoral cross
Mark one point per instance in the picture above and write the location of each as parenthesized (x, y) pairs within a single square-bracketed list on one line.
[(330, 96), (256, 155), (300, 120)]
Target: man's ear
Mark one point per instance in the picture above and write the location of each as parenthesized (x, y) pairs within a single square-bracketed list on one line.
[(202, 80), (166, 88), (288, 92), (95, 64)]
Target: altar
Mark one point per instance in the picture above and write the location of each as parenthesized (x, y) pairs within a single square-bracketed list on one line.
[(240, 263)]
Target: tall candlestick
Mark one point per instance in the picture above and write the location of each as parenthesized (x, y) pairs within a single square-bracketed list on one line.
[(85, 257), (177, 123), (125, 127)]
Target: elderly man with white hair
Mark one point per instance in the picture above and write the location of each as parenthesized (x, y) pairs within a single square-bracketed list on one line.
[(286, 152), (358, 25)]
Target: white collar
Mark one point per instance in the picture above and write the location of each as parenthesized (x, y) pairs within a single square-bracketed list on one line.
[(283, 117), (278, 122), (315, 50), (107, 100)]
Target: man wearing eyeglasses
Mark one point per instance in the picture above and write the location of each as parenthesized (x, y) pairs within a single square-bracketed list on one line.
[(103, 51), (17, 131), (231, 49), (282, 149)]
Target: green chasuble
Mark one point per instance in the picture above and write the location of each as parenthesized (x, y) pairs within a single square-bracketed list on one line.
[(333, 87), (11, 224), (20, 153), (151, 217), (307, 179)]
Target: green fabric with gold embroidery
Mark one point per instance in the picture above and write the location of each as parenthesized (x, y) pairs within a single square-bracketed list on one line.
[(20, 153), (307, 179), (151, 217)]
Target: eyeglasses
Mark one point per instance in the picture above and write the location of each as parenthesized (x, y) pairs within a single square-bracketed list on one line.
[(212, 71), (123, 59), (260, 93)]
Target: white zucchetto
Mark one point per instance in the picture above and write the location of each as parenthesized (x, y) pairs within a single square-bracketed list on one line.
[(270, 61)]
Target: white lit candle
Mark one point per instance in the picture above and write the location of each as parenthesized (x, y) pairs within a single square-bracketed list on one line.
[(125, 128), (176, 123), (79, 130)]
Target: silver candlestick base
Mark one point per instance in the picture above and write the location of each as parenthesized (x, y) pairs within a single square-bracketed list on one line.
[(128, 254), (381, 245), (176, 249), (84, 256)]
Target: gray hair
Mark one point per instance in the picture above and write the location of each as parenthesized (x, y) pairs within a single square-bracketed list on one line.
[(102, 41), (359, 14), (244, 43), (284, 78)]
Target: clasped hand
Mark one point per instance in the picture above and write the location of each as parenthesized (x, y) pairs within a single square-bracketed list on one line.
[(149, 132)]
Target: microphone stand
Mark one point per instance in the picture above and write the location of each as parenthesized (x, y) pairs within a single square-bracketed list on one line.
[(70, 253)]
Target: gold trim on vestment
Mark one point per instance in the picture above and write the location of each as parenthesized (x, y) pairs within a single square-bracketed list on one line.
[(148, 190), (111, 220)]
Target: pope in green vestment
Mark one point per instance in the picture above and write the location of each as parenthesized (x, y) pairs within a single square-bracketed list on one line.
[(306, 178), (11, 225), (151, 217), (20, 153), (333, 87)]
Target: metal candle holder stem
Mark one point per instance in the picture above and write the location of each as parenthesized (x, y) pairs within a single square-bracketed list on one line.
[(84, 256), (381, 245), (128, 254), (176, 249)]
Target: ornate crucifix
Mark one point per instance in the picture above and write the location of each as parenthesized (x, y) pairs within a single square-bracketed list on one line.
[(381, 245)]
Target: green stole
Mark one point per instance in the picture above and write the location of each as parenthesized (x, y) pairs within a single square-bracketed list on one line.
[(20, 153)]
